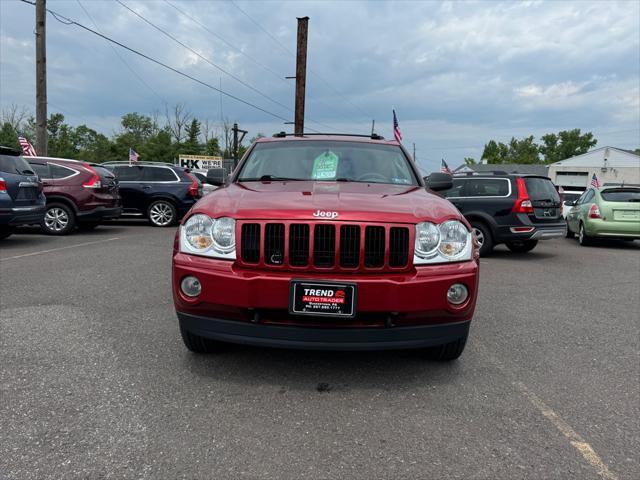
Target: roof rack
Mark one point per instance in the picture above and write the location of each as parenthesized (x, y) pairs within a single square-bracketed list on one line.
[(475, 174), (139, 162), (373, 136)]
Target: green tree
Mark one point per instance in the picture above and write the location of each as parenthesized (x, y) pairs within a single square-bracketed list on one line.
[(8, 136), (213, 147), (495, 152), (192, 143), (469, 161), (566, 144)]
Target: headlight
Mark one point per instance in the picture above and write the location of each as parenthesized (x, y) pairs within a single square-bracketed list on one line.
[(427, 239), (224, 234), (197, 232), (454, 237), (448, 242), (202, 235)]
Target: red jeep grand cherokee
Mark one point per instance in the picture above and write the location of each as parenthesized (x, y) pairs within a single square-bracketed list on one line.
[(326, 242)]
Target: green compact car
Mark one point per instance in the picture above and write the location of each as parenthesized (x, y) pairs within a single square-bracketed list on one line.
[(605, 212)]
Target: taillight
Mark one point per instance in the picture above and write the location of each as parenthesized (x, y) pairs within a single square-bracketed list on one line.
[(194, 187), (594, 211), (523, 203), (3, 185), (94, 181)]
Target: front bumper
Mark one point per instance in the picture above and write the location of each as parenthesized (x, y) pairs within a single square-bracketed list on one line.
[(392, 338), (18, 216), (393, 310)]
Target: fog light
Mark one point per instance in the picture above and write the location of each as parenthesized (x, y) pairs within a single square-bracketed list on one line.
[(191, 286), (457, 294)]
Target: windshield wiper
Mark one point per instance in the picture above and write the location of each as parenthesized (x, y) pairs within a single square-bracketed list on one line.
[(344, 179), (271, 178)]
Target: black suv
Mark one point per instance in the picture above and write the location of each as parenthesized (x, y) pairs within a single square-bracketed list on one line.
[(517, 210), (159, 191), (21, 199)]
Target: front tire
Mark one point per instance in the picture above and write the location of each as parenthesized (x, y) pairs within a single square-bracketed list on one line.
[(162, 213), (198, 344), (483, 235), (522, 246), (583, 238), (447, 352), (59, 219)]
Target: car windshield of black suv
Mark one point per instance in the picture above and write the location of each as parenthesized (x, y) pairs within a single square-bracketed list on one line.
[(333, 161)]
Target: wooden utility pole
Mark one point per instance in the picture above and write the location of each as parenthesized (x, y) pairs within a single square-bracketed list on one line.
[(41, 77), (301, 74), (236, 143)]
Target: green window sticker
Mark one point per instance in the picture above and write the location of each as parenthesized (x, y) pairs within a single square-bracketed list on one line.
[(325, 166)]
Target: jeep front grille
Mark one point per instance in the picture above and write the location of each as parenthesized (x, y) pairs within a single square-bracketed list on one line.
[(323, 246)]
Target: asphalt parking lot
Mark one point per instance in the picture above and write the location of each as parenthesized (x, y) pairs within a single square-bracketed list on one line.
[(95, 381)]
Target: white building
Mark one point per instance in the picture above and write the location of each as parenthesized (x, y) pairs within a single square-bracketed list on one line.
[(610, 165)]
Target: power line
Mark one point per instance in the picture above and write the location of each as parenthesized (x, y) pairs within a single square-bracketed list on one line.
[(67, 21), (126, 64), (195, 52), (219, 68), (315, 74), (229, 44)]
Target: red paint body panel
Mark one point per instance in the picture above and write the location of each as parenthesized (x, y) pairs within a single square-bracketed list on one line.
[(418, 295), (259, 293), (354, 202)]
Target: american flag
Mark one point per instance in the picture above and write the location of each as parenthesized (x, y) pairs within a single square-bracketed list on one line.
[(133, 156), (27, 148), (444, 168), (396, 128), (595, 183)]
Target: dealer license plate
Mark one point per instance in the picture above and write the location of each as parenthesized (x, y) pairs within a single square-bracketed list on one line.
[(322, 298)]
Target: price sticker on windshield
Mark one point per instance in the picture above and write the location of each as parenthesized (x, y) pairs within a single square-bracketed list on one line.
[(325, 166)]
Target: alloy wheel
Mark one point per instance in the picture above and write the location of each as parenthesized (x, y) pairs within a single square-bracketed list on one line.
[(56, 219), (479, 235), (161, 214)]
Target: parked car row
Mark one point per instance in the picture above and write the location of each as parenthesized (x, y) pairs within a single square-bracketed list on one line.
[(61, 195)]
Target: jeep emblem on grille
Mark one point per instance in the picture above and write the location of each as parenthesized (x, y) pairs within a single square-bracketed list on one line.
[(325, 214)]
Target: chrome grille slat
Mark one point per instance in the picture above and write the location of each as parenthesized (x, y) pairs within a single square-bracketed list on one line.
[(250, 243), (349, 246), (321, 246), (374, 247), (274, 243), (324, 245), (299, 244)]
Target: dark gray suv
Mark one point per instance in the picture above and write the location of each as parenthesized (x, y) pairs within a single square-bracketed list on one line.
[(21, 199)]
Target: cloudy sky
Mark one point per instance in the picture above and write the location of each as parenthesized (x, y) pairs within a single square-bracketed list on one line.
[(457, 73)]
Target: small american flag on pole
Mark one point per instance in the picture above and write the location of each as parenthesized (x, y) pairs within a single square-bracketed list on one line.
[(396, 128), (444, 168), (133, 156), (595, 183), (26, 146)]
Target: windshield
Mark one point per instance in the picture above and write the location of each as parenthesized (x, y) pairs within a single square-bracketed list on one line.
[(14, 164), (621, 195), (541, 189), (340, 161)]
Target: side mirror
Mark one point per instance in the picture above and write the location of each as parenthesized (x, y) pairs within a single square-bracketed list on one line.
[(439, 181), (216, 176)]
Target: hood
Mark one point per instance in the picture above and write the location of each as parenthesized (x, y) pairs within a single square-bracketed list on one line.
[(340, 201)]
